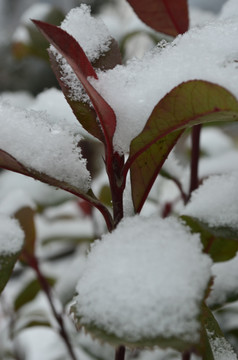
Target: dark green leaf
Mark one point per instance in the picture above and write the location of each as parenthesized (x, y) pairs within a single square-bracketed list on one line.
[(6, 266), (220, 243)]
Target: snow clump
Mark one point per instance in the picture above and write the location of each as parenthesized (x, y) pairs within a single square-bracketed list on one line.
[(136, 284)]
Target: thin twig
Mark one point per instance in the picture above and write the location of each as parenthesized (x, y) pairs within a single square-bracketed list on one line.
[(120, 353), (46, 288), (186, 355), (194, 180)]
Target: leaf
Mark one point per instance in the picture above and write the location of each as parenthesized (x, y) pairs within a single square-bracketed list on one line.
[(220, 243), (25, 217), (215, 344), (104, 336), (10, 163), (147, 166), (84, 113), (109, 59), (29, 292), (190, 103), (76, 58), (7, 263), (166, 16)]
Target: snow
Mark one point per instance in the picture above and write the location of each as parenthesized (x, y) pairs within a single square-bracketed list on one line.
[(195, 55), (14, 201), (141, 268), (225, 282), (90, 33), (94, 38), (40, 193), (215, 202), (28, 136), (229, 9), (220, 164), (37, 11), (18, 98), (221, 348), (213, 141), (11, 236)]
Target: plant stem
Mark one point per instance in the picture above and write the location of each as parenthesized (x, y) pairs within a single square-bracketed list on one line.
[(33, 262), (186, 355), (120, 353), (117, 186), (194, 180)]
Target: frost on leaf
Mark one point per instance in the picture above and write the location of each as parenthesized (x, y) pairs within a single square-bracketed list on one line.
[(11, 242), (215, 202), (135, 288), (96, 41)]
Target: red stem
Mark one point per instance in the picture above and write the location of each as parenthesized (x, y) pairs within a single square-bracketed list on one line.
[(114, 165), (194, 180), (120, 353), (186, 355)]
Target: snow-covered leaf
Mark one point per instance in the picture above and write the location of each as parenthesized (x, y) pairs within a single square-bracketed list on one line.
[(11, 243), (85, 114), (216, 345), (215, 203), (166, 16), (76, 58), (186, 105), (131, 278)]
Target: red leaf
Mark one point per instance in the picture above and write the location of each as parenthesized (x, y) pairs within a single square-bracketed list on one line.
[(85, 113), (188, 104), (76, 58), (147, 166), (167, 16)]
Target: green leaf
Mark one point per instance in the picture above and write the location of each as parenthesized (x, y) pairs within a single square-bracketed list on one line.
[(215, 345), (220, 243), (32, 319), (7, 263), (25, 217), (190, 103), (29, 292)]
